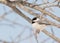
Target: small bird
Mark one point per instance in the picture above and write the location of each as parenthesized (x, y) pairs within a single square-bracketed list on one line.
[(38, 27)]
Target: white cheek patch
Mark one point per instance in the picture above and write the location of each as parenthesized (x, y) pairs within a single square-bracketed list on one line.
[(37, 20)]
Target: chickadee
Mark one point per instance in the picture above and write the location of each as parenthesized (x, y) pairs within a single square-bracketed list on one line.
[(38, 27)]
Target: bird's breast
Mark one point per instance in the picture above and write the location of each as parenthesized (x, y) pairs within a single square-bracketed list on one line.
[(38, 26)]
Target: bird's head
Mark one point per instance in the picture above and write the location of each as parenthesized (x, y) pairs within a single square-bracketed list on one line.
[(35, 19)]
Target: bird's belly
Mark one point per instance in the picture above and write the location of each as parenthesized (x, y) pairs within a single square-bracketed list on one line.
[(38, 26)]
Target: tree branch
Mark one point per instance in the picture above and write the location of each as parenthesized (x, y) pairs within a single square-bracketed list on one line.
[(44, 11), (32, 13), (51, 35)]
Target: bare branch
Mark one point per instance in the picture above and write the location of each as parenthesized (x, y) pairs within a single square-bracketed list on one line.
[(51, 35), (44, 11), (32, 13), (47, 13), (19, 12)]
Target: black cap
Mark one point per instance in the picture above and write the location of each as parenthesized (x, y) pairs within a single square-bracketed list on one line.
[(34, 19)]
